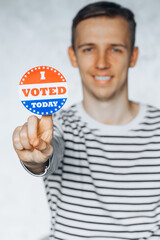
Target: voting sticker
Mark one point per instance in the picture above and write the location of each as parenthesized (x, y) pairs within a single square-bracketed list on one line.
[(43, 90)]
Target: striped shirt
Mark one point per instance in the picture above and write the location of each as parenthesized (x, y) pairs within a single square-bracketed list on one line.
[(103, 181)]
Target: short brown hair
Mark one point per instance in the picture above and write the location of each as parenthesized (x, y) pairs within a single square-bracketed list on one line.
[(108, 9)]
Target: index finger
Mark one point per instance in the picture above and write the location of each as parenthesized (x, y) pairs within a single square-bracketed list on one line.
[(46, 128), (46, 122), (33, 130)]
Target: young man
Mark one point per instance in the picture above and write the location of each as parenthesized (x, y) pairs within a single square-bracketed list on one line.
[(101, 165)]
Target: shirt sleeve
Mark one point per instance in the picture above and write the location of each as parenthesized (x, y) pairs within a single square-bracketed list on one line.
[(58, 151)]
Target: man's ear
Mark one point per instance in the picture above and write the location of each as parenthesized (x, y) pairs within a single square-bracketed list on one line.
[(134, 57), (72, 56)]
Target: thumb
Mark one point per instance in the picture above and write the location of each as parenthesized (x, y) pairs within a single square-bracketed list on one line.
[(44, 147), (39, 144)]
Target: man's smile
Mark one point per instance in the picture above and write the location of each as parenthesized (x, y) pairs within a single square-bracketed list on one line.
[(102, 79)]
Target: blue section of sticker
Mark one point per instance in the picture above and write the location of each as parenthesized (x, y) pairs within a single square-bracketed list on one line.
[(44, 107)]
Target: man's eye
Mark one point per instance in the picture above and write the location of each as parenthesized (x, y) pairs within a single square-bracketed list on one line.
[(88, 49), (116, 50)]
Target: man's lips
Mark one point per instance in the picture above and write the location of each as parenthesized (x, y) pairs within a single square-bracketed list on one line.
[(102, 79)]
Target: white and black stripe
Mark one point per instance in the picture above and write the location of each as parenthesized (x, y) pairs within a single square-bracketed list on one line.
[(107, 182)]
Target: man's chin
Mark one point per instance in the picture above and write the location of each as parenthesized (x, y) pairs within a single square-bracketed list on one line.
[(105, 98)]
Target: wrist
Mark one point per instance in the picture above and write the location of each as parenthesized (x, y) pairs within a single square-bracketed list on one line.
[(37, 168)]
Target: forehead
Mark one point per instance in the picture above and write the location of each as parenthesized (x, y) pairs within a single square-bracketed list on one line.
[(102, 29)]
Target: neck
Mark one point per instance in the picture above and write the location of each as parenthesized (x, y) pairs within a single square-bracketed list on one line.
[(113, 112)]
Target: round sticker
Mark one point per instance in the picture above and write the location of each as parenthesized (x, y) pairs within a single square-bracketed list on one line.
[(43, 90)]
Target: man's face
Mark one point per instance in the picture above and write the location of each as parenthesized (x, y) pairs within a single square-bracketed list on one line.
[(103, 56)]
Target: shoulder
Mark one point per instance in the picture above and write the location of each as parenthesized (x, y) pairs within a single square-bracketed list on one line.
[(152, 110), (68, 112), (69, 115), (152, 115)]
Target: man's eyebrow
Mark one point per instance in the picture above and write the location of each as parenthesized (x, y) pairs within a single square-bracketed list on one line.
[(85, 45), (119, 45), (112, 45)]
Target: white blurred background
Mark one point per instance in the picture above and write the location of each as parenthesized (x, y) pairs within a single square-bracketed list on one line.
[(34, 33)]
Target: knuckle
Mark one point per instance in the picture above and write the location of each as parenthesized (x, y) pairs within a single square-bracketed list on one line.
[(50, 150), (15, 134), (17, 129), (17, 145), (16, 140), (32, 118), (24, 157), (23, 134)]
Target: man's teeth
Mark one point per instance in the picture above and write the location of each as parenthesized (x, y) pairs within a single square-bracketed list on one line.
[(102, 78)]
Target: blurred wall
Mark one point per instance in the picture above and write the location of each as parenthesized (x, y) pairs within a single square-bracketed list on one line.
[(34, 33)]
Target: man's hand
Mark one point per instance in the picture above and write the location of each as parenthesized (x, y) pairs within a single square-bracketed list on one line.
[(32, 142)]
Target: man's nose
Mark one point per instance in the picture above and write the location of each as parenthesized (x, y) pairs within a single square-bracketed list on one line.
[(102, 61)]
